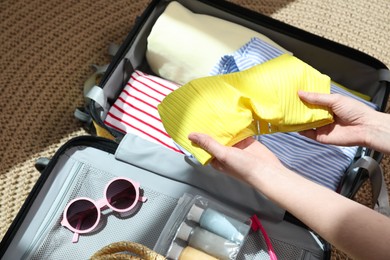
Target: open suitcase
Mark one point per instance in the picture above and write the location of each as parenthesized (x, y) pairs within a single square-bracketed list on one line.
[(360, 73), (171, 182)]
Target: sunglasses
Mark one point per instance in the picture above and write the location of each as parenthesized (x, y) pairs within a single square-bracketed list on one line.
[(82, 215)]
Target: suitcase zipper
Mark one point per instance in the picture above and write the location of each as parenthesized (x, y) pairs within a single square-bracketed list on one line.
[(54, 212), (90, 141)]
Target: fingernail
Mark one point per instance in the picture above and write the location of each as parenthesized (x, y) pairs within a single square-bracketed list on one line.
[(193, 137)]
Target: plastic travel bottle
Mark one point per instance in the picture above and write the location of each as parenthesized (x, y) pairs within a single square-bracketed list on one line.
[(219, 223), (208, 242), (187, 253)]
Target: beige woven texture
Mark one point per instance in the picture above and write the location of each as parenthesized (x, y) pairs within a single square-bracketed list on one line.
[(47, 47)]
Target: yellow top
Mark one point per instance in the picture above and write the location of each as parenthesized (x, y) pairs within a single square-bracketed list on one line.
[(231, 107)]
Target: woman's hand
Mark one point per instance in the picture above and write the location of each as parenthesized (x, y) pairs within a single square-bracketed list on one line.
[(351, 120), (344, 223), (245, 160)]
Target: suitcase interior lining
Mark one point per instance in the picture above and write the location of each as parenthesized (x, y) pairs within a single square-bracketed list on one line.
[(92, 169)]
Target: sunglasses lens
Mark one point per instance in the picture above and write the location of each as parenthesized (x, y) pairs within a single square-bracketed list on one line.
[(121, 194), (82, 214)]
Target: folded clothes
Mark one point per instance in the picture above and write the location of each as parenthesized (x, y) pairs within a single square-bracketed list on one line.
[(321, 163), (131, 114), (259, 100), (183, 45), (254, 52), (257, 51), (294, 150), (135, 110)]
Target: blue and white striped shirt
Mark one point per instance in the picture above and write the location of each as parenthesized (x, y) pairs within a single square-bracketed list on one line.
[(324, 164)]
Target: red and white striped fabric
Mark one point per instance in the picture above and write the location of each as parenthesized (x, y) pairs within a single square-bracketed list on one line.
[(135, 110)]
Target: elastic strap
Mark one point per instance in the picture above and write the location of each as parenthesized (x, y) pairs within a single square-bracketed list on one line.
[(380, 197), (256, 225), (113, 49), (96, 94), (384, 75)]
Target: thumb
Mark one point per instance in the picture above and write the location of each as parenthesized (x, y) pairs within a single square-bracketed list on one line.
[(206, 142), (316, 98)]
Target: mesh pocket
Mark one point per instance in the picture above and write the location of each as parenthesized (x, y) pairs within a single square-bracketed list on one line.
[(255, 248), (143, 226)]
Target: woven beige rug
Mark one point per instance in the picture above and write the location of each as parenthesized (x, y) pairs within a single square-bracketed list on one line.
[(47, 47)]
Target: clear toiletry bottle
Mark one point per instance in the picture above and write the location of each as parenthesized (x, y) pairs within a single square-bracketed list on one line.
[(208, 242), (218, 223), (177, 252)]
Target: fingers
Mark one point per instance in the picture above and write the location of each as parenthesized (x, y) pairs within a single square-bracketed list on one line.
[(210, 145), (317, 98), (325, 134), (206, 142)]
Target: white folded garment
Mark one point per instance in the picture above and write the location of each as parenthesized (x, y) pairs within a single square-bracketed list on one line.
[(184, 45)]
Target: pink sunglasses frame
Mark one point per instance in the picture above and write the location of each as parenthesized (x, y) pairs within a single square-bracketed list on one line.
[(101, 204)]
